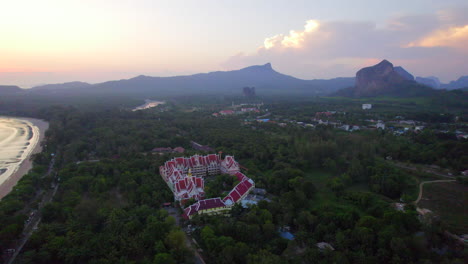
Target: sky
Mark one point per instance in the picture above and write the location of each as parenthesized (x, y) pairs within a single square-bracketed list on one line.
[(55, 41)]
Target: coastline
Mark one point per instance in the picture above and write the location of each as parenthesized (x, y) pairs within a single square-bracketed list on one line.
[(38, 129)]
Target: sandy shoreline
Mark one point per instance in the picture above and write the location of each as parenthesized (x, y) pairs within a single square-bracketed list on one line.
[(38, 129)]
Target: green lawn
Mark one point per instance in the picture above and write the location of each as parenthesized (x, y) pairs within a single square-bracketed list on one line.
[(449, 201), (324, 195), (385, 99)]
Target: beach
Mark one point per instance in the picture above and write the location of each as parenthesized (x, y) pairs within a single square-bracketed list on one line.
[(19, 139)]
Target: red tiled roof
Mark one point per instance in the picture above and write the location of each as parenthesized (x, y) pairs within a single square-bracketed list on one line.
[(182, 184), (180, 161), (203, 205), (212, 157), (191, 210), (199, 182), (201, 160), (210, 203), (248, 183), (193, 161), (170, 163), (240, 176), (235, 195), (241, 188)]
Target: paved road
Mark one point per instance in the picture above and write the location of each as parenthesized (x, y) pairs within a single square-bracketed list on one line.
[(421, 188), (34, 221), (188, 239), (33, 224)]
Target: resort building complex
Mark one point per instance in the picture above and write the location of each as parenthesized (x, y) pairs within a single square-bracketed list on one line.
[(184, 176)]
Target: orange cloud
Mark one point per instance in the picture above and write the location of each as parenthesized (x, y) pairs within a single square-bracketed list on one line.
[(456, 37)]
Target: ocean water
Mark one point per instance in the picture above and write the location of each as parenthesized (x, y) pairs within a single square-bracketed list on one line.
[(17, 140)]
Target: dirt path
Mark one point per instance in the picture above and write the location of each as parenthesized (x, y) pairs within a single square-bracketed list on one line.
[(426, 170), (421, 188)]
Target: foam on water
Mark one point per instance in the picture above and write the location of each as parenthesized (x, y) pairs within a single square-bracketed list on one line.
[(18, 138)]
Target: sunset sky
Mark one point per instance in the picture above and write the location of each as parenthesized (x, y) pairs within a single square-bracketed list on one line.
[(53, 41)]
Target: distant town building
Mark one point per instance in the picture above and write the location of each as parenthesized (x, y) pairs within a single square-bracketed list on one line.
[(399, 206), (168, 150), (344, 127), (366, 106), (259, 191), (200, 147), (179, 150), (162, 150), (324, 246), (323, 114), (380, 125), (226, 112), (418, 128), (407, 122), (286, 235), (250, 109)]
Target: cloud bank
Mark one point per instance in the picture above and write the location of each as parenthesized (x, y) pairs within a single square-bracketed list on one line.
[(434, 44)]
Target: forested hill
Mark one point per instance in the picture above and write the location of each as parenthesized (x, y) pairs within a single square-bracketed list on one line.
[(9, 89), (263, 77)]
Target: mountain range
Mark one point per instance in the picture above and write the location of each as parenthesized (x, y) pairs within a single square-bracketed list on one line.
[(263, 77), (9, 89), (381, 79)]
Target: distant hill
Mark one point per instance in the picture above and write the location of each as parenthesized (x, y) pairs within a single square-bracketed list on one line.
[(9, 89), (434, 82), (263, 77), (462, 82), (68, 85), (383, 80), (430, 81)]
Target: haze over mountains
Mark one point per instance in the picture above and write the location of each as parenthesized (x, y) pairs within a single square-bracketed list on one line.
[(434, 82), (67, 85), (9, 89), (381, 79), (263, 77)]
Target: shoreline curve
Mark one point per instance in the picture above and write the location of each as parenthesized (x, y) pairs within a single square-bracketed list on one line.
[(38, 128)]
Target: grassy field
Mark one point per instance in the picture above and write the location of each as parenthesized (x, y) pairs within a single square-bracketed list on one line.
[(450, 202), (324, 194), (385, 99), (415, 177)]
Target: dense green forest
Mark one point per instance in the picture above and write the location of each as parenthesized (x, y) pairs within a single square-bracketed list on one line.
[(325, 185)]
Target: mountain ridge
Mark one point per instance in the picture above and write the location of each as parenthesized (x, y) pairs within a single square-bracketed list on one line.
[(9, 89), (263, 77), (383, 79)]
